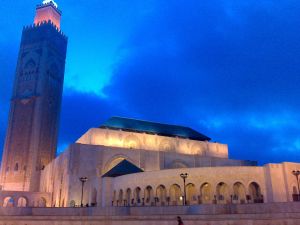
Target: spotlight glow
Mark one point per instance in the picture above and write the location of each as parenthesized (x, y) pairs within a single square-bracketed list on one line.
[(49, 1)]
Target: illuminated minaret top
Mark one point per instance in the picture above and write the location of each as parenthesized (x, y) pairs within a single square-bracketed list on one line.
[(48, 11)]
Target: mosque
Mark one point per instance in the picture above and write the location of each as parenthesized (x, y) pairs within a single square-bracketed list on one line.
[(123, 162)]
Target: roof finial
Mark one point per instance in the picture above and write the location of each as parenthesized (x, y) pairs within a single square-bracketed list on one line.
[(50, 1)]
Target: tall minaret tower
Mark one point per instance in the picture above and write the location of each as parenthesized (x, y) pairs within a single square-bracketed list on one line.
[(31, 137)]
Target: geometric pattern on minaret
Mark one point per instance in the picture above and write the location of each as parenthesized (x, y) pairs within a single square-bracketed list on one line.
[(31, 137)]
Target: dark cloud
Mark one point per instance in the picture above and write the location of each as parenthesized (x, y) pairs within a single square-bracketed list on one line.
[(198, 62), (81, 112), (198, 53)]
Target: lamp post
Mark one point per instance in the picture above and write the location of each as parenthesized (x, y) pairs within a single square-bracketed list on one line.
[(296, 173), (184, 176), (83, 180)]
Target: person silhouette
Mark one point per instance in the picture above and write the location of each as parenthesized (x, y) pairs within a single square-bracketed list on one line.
[(180, 222)]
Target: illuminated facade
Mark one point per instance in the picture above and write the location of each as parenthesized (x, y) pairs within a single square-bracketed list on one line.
[(130, 162), (48, 11), (127, 162)]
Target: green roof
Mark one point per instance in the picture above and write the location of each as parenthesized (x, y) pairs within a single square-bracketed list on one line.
[(140, 126)]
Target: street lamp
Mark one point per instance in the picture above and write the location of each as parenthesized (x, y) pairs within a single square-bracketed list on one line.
[(184, 176), (83, 180), (296, 173)]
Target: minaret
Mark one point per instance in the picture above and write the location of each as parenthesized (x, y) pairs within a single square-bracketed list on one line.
[(31, 138)]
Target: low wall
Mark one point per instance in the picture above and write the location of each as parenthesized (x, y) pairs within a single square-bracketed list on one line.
[(250, 214), (31, 199)]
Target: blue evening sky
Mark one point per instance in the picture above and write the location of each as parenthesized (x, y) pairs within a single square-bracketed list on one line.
[(229, 69)]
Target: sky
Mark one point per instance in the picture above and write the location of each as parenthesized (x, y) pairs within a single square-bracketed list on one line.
[(229, 69)]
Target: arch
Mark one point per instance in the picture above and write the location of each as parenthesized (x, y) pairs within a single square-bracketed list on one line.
[(197, 149), (128, 196), (239, 193), (206, 193), (137, 195), (175, 194), (94, 197), (132, 142), (22, 202), (115, 160), (120, 198), (255, 195), (72, 203), (42, 202), (8, 202), (148, 195), (112, 163), (222, 192), (161, 194), (191, 194), (166, 145), (177, 164)]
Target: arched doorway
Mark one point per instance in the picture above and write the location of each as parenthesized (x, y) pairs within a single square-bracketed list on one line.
[(175, 194), (8, 202), (239, 193), (137, 195), (128, 197), (72, 203), (222, 193), (191, 194), (22, 202), (161, 194), (42, 202), (120, 198), (255, 195), (206, 193), (149, 196), (112, 163)]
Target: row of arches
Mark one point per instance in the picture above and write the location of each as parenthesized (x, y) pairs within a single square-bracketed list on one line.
[(23, 202), (174, 195)]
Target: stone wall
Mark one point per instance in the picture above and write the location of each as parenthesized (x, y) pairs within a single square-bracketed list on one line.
[(220, 185), (61, 176), (10, 199), (252, 214)]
